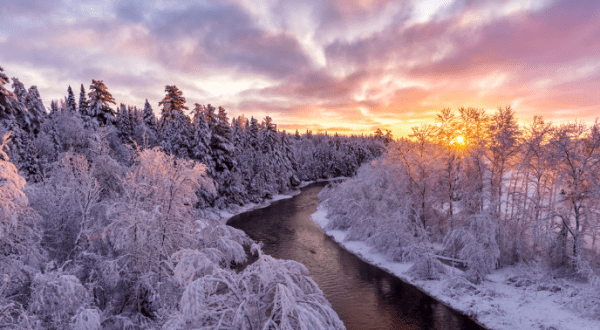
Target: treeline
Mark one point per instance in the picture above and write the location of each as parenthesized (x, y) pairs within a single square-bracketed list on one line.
[(493, 192), (248, 160), (106, 218)]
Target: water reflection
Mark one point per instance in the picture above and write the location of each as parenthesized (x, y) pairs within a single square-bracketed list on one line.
[(364, 296)]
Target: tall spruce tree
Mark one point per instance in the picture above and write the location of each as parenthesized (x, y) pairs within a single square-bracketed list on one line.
[(173, 101), (175, 134), (36, 108), (84, 105), (100, 100), (71, 104)]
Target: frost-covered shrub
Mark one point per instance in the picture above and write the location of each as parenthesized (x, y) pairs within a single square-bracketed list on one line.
[(56, 297), (12, 314), (191, 264), (86, 319), (268, 294), (476, 244), (458, 286), (427, 267), (221, 243)]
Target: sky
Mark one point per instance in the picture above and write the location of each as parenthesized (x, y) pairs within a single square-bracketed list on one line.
[(330, 65)]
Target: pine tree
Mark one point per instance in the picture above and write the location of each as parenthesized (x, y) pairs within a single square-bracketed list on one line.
[(19, 90), (19, 110), (211, 116), (35, 106), (201, 139), (124, 125), (221, 144), (7, 98), (146, 131), (148, 117), (173, 101), (100, 100), (83, 102), (222, 152), (54, 108), (252, 134), (71, 104), (176, 135)]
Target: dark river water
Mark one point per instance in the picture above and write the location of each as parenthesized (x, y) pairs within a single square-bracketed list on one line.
[(364, 296)]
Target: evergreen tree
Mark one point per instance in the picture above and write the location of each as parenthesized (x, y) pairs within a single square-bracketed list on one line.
[(221, 143), (222, 152), (252, 134), (19, 110), (100, 100), (19, 90), (146, 132), (83, 102), (175, 134), (148, 117), (71, 104), (35, 106), (201, 139), (173, 101), (7, 99), (124, 125), (54, 108), (211, 116)]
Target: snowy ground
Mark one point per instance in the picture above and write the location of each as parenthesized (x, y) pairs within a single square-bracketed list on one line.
[(512, 298)]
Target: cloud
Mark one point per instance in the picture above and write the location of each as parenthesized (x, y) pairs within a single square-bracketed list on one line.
[(12, 8), (354, 64)]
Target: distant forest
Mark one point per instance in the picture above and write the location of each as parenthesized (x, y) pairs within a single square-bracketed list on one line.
[(248, 159)]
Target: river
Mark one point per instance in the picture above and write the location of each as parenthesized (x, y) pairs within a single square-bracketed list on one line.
[(364, 296)]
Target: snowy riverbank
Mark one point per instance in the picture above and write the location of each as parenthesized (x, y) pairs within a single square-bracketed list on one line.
[(234, 210), (512, 298)]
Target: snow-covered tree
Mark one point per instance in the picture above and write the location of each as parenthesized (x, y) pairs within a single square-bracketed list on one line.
[(222, 151), (18, 235), (172, 102), (268, 294), (100, 100), (71, 104), (155, 216), (83, 102), (201, 139), (36, 108), (577, 150), (146, 131)]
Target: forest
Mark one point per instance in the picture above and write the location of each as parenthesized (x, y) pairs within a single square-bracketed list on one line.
[(109, 215), (481, 192)]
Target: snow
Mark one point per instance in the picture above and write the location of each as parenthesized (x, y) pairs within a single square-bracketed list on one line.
[(306, 183), (511, 298), (234, 210)]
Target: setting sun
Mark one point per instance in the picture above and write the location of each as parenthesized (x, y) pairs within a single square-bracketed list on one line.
[(459, 140)]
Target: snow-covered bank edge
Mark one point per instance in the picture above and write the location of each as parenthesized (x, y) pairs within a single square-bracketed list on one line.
[(234, 210), (495, 303)]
